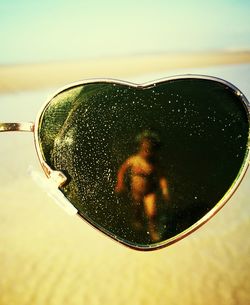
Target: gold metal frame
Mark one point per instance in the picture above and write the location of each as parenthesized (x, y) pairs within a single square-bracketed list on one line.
[(21, 126), (59, 178)]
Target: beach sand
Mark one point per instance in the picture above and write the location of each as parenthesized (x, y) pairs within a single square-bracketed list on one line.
[(36, 76), (48, 257)]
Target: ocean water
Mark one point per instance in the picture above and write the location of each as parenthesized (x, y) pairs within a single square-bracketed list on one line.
[(47, 257)]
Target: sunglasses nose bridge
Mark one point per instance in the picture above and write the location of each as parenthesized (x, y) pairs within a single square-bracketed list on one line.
[(57, 177), (50, 185)]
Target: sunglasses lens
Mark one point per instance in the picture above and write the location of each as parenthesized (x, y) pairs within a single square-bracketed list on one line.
[(144, 164)]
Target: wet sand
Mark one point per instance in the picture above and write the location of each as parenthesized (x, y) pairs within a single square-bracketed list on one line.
[(48, 257)]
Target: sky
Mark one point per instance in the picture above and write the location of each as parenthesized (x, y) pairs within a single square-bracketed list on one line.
[(41, 31)]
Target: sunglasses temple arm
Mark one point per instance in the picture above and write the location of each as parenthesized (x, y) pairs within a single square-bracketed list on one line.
[(21, 126)]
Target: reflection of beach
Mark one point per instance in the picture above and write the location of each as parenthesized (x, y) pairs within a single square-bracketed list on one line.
[(47, 257)]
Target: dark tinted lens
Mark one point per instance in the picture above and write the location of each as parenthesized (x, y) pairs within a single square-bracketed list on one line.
[(145, 164)]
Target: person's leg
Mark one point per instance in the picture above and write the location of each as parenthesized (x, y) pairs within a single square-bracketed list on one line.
[(150, 210), (137, 212)]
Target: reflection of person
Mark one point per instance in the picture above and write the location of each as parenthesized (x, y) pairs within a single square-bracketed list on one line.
[(145, 179)]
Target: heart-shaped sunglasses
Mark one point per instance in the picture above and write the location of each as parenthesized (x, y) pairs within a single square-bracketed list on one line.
[(145, 164)]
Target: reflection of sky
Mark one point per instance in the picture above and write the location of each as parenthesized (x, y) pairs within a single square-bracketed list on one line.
[(49, 30)]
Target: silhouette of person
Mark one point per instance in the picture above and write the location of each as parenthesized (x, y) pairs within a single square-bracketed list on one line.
[(146, 180)]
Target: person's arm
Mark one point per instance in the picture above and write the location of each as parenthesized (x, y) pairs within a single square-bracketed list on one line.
[(164, 188), (120, 186)]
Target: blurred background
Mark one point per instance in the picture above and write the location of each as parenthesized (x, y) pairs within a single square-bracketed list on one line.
[(61, 30), (48, 257)]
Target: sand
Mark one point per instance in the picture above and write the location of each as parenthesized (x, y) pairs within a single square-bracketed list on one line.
[(48, 257), (36, 76)]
